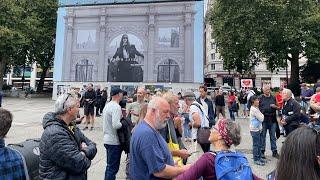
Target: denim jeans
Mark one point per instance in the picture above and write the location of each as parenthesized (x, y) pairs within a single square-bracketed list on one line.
[(113, 161), (231, 113), (186, 130), (271, 126), (256, 145)]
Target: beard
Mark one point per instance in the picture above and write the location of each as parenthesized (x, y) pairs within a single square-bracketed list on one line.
[(160, 124)]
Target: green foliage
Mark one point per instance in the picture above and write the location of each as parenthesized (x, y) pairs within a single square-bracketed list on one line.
[(274, 31), (6, 87), (310, 72), (27, 33)]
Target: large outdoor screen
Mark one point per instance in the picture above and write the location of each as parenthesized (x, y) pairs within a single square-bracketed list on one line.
[(129, 41)]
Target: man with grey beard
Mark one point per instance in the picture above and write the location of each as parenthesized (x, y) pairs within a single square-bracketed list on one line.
[(149, 153)]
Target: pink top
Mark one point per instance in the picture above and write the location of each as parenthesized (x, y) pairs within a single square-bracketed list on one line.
[(204, 167)]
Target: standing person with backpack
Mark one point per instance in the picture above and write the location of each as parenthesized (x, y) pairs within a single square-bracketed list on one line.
[(213, 165)]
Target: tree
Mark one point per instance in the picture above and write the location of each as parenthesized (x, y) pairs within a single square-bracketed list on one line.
[(28, 35), (310, 72), (274, 31), (43, 37), (11, 33)]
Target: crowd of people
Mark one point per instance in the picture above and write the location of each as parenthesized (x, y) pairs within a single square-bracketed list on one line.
[(153, 130)]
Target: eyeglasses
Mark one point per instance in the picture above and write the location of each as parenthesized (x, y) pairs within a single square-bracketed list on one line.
[(66, 100)]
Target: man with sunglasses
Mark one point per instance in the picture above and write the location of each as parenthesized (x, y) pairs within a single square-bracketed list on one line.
[(65, 153)]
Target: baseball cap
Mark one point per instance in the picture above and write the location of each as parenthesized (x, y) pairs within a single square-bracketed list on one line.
[(115, 91)]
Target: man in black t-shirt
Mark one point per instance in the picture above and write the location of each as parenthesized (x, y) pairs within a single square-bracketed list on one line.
[(89, 100)]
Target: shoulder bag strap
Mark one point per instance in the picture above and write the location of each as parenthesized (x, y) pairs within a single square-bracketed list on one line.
[(201, 112)]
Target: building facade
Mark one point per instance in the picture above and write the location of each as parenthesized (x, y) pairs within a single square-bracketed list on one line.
[(213, 67), (129, 43)]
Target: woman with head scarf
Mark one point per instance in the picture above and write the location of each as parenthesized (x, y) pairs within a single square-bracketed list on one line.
[(223, 135)]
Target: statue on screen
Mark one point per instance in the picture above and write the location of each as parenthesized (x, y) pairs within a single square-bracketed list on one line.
[(125, 61)]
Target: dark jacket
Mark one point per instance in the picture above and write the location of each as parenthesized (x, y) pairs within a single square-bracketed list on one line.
[(219, 101), (92, 96), (131, 50), (211, 114), (61, 156), (268, 112), (291, 110), (124, 134)]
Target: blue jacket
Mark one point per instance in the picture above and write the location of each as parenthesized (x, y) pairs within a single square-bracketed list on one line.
[(211, 113), (11, 163)]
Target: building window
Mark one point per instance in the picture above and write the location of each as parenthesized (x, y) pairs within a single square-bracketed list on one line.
[(84, 70), (216, 48), (213, 56), (213, 66), (212, 45), (168, 71)]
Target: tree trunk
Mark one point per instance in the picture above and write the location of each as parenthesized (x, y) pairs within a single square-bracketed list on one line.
[(294, 77), (41, 81), (2, 68)]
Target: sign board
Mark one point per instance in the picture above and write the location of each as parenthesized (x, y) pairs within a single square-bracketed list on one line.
[(246, 83)]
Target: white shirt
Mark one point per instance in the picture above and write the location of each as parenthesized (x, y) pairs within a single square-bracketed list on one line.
[(204, 120), (205, 106), (111, 122), (255, 113)]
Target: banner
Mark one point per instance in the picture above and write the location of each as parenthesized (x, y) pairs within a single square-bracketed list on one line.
[(246, 83)]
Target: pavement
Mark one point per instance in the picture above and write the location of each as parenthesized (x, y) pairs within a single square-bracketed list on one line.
[(28, 114)]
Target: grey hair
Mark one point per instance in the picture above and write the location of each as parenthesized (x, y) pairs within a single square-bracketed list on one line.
[(234, 132), (287, 91), (153, 103), (190, 98), (64, 102)]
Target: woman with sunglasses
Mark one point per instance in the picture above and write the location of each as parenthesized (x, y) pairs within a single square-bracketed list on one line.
[(300, 156), (224, 134)]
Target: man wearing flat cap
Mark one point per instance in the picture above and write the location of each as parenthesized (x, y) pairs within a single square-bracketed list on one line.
[(111, 123)]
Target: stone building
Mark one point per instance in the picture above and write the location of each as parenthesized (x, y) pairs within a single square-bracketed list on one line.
[(161, 39)]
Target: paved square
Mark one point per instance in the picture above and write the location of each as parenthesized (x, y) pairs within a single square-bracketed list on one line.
[(28, 114)]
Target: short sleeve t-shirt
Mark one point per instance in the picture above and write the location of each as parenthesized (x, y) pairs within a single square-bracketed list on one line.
[(149, 153), (204, 120)]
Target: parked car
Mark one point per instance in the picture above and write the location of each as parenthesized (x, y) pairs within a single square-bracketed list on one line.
[(225, 89)]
